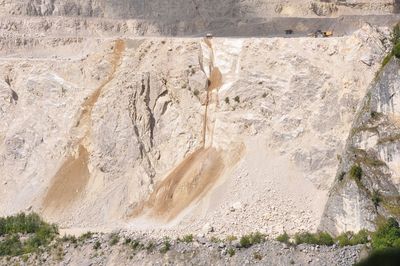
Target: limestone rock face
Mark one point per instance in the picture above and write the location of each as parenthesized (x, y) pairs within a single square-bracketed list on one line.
[(373, 145), (170, 132), (102, 128)]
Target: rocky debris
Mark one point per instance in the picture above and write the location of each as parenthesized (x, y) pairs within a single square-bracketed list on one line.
[(323, 9), (99, 249), (367, 59), (207, 228)]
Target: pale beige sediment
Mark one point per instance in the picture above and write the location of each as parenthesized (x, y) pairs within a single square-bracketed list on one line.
[(71, 179)]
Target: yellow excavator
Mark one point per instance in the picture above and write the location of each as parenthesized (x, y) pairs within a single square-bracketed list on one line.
[(322, 34)]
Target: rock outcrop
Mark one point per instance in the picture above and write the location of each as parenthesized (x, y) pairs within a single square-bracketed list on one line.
[(359, 201)]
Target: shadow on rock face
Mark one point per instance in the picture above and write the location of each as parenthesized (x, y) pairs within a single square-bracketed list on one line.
[(390, 257), (396, 6)]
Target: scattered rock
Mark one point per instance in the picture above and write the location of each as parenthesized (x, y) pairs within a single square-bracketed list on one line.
[(207, 228)]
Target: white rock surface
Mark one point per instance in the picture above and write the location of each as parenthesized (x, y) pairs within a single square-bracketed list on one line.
[(93, 129)]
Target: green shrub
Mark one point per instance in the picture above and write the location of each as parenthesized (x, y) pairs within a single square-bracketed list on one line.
[(396, 50), (396, 46), (360, 238), (135, 244), (231, 252), (307, 238), (387, 235), (24, 224), (85, 236), (237, 99), (227, 100), (251, 239), (344, 239), (325, 239), (231, 238), (127, 241), (188, 238), (166, 245), (396, 34), (39, 234), (150, 246), (114, 239), (356, 172), (321, 238), (386, 59), (42, 237), (284, 238), (257, 238), (351, 239), (245, 241), (215, 239), (196, 92), (97, 245), (69, 238), (11, 246)]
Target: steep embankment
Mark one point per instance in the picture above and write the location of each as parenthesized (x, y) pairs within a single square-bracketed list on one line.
[(367, 183), (123, 129)]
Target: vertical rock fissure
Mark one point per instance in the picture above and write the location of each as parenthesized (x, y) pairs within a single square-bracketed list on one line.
[(194, 175)]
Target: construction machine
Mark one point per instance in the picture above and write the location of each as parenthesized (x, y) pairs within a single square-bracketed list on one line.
[(322, 34)]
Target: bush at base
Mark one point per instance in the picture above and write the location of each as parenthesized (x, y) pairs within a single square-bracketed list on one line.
[(321, 238), (39, 234), (387, 235)]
